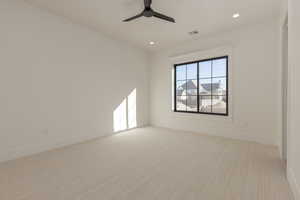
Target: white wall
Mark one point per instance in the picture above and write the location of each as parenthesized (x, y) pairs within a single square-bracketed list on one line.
[(283, 51), (60, 82), (293, 157), (255, 86)]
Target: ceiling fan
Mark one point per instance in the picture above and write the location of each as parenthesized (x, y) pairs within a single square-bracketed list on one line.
[(148, 12)]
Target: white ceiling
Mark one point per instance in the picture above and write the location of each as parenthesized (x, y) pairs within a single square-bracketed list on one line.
[(206, 16)]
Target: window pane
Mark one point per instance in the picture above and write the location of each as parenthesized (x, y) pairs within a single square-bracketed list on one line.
[(219, 104), (191, 87), (192, 103), (205, 86), (192, 71), (181, 103), (219, 67), (181, 72), (208, 79), (181, 88), (205, 69), (205, 104), (219, 86)]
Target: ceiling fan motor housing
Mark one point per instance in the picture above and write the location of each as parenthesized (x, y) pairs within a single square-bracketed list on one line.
[(148, 12)]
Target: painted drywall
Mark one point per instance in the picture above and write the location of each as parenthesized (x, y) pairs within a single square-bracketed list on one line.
[(283, 57), (61, 82), (293, 156), (285, 88), (255, 85)]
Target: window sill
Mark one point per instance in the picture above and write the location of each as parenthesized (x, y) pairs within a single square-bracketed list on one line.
[(201, 113)]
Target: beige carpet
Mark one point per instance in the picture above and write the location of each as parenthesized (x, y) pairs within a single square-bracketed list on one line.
[(149, 164)]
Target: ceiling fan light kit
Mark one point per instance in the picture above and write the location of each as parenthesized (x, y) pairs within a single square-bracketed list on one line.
[(149, 12)]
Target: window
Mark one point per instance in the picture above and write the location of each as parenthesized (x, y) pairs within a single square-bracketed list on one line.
[(202, 86)]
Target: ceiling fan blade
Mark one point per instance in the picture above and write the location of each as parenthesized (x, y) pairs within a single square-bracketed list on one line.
[(163, 17), (147, 3), (132, 18)]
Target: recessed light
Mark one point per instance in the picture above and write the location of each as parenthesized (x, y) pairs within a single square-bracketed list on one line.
[(152, 43), (236, 15)]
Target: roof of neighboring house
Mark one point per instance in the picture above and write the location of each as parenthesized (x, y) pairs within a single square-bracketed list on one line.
[(191, 84), (210, 87)]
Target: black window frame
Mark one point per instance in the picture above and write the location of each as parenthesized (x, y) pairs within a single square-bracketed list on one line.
[(198, 106)]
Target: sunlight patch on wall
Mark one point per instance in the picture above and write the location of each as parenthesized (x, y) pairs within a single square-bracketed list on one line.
[(131, 99), (124, 116), (120, 117)]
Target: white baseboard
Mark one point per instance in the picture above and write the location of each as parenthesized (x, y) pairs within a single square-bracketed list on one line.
[(54, 143), (234, 137), (36, 148), (293, 183)]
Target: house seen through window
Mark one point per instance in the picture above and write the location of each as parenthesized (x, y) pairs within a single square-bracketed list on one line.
[(202, 86)]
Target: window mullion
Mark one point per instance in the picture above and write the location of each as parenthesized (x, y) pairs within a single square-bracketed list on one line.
[(186, 89)]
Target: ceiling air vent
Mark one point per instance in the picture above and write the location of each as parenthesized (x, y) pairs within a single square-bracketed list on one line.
[(195, 32)]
